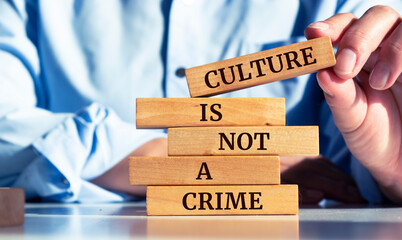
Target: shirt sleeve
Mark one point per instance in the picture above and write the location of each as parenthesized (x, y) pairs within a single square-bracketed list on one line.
[(52, 156), (78, 149)]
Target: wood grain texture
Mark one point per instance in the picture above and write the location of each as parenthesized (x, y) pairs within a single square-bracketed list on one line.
[(271, 140), (261, 67), (12, 208), (188, 112), (222, 200), (215, 170)]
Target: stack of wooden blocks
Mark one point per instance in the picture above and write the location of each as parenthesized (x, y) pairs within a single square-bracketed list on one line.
[(223, 153)]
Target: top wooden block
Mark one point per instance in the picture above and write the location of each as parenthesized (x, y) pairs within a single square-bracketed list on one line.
[(261, 67)]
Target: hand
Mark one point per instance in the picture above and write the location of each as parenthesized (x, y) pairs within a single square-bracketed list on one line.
[(116, 178), (364, 90), (318, 179)]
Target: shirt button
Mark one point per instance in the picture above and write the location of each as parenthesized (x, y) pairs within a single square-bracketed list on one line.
[(66, 182), (180, 72)]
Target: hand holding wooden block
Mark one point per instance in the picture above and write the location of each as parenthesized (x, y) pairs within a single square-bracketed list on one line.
[(204, 170), (12, 208), (261, 67), (222, 200), (272, 140), (192, 112)]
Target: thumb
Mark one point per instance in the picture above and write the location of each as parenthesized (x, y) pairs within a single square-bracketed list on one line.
[(346, 99)]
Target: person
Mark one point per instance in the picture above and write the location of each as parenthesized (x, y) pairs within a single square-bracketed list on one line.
[(70, 72)]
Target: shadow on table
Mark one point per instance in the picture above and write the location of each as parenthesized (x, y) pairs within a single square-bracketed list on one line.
[(350, 221), (85, 210), (350, 230)]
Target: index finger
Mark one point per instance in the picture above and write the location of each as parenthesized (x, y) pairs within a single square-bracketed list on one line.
[(334, 27), (362, 38)]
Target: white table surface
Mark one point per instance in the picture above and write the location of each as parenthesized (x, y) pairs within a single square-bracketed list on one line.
[(129, 221)]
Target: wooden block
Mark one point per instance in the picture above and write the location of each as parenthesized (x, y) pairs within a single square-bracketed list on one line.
[(188, 112), (271, 140), (222, 200), (12, 208), (261, 67), (204, 170)]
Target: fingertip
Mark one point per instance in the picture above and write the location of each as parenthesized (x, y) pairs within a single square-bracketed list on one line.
[(311, 196), (379, 77), (346, 60), (316, 30)]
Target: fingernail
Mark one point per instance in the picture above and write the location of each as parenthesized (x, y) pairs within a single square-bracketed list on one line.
[(379, 76), (353, 191), (345, 62), (319, 25), (314, 193)]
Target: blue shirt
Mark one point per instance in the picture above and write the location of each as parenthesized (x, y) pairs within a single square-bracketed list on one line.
[(70, 72)]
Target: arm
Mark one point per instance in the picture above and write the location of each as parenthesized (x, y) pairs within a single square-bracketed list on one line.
[(364, 90), (116, 178), (52, 156)]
